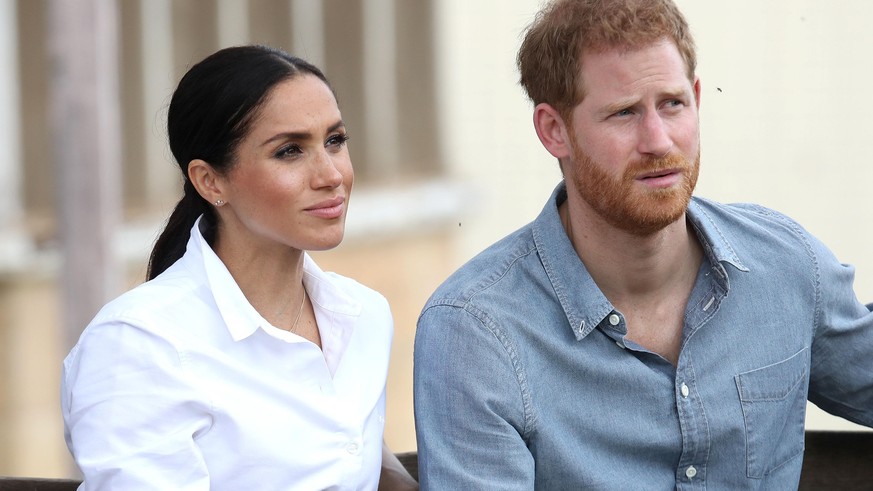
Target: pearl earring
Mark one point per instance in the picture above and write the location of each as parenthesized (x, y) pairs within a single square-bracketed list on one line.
[(219, 202)]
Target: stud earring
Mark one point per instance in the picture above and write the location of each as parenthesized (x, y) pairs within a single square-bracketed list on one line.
[(219, 202)]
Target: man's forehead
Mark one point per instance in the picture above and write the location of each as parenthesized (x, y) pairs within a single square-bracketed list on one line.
[(662, 54)]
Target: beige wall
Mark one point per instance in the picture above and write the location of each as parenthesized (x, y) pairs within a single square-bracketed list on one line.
[(788, 129), (785, 114)]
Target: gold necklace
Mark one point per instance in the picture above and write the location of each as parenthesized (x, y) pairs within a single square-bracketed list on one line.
[(281, 311), (299, 311)]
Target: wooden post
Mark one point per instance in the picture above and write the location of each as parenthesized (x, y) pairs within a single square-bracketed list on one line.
[(86, 142), (10, 135)]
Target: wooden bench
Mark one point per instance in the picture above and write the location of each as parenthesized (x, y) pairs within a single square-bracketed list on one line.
[(408, 459), (837, 460), (832, 460)]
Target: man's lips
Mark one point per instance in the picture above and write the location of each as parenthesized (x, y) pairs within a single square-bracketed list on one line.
[(659, 173), (330, 208), (660, 178)]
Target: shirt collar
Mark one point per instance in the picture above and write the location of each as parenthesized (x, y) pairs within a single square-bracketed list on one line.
[(241, 319), (580, 297), (715, 243)]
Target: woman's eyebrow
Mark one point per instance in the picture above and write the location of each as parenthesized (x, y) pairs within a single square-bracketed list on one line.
[(301, 135)]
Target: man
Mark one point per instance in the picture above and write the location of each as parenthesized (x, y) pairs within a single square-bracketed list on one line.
[(633, 337)]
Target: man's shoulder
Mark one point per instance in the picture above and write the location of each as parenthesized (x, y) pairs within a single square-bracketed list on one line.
[(749, 230), (487, 270), (743, 217)]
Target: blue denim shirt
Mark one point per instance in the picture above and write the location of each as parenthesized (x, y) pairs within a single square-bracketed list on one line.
[(524, 378)]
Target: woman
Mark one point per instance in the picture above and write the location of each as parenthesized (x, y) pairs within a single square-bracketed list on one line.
[(240, 364)]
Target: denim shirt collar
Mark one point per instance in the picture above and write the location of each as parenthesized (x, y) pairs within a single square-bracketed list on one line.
[(580, 297)]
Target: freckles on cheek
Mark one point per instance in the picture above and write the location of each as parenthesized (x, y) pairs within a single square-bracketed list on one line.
[(350, 180)]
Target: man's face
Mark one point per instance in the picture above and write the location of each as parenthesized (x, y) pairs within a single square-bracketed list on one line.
[(634, 138)]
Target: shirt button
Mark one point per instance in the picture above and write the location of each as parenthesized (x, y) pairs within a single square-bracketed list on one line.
[(684, 390), (352, 448), (614, 319), (690, 472)]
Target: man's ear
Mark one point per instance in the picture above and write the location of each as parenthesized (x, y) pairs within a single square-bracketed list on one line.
[(206, 181), (552, 131), (697, 91)]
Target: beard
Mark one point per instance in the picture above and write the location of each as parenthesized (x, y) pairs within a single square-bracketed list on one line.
[(626, 205)]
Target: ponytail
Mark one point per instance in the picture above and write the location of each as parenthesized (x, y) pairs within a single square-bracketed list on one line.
[(172, 242)]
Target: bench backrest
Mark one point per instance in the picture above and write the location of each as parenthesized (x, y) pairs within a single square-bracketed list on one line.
[(832, 460)]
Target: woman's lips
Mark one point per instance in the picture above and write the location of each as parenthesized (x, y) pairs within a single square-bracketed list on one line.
[(331, 208)]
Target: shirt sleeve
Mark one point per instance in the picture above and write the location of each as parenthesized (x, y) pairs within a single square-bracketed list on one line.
[(841, 376), (470, 405), (130, 414)]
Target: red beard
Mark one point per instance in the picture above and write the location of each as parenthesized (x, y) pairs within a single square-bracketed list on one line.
[(626, 205)]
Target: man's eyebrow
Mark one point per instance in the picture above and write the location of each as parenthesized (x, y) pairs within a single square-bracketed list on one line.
[(619, 105), (301, 135)]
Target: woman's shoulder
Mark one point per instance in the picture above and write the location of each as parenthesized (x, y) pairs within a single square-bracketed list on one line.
[(155, 308), (342, 288), (354, 288)]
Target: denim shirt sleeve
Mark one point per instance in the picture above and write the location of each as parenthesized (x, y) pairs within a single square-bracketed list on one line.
[(841, 378), (469, 403)]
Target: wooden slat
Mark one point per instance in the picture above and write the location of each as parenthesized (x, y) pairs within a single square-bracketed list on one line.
[(36, 484), (410, 462), (832, 460), (837, 460)]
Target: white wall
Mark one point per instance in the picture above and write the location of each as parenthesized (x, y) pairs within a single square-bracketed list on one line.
[(488, 137), (10, 135), (789, 127)]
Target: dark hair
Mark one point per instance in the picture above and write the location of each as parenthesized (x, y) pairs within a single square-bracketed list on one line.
[(549, 60), (211, 111)]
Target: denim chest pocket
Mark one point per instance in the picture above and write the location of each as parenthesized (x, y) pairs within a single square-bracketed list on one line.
[(773, 399)]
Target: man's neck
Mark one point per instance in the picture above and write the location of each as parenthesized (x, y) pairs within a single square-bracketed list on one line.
[(647, 278), (629, 267)]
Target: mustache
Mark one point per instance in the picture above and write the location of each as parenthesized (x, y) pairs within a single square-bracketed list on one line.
[(654, 164)]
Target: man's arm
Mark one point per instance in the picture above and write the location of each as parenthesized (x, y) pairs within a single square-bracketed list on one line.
[(841, 373), (470, 406)]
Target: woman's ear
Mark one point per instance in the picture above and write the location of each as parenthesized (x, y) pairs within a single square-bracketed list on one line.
[(552, 131), (206, 181)]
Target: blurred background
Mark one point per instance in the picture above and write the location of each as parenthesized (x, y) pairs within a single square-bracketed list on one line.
[(446, 158)]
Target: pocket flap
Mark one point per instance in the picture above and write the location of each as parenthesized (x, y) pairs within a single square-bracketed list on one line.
[(774, 382)]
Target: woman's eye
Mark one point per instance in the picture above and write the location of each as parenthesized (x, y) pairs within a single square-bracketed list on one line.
[(338, 140), (288, 151)]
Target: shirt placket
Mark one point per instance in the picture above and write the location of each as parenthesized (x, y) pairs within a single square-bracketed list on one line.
[(693, 424), (691, 470)]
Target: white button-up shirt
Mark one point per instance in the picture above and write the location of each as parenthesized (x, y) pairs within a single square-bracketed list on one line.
[(181, 384)]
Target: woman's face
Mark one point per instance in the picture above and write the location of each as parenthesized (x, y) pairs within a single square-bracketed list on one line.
[(292, 178)]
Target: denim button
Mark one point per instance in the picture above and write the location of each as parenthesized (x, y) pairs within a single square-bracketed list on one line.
[(614, 319), (684, 390), (690, 472)]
